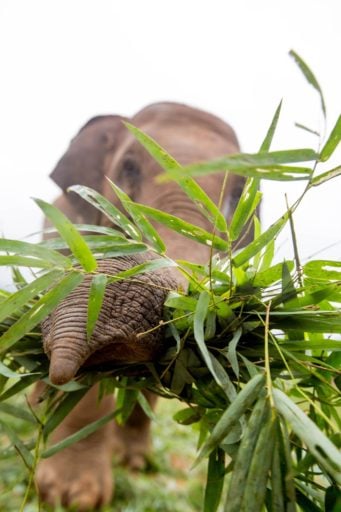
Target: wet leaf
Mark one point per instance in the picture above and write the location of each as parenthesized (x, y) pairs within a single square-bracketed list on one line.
[(69, 233)]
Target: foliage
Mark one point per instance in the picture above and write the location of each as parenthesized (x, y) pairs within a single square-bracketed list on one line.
[(252, 348)]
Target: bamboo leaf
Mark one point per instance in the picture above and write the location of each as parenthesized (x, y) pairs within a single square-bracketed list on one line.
[(7, 372), (326, 176), (149, 232), (307, 129), (271, 275), (332, 142), (245, 452), (108, 209), (257, 245), (215, 480), (232, 415), (266, 165), (257, 477), (310, 77), (69, 233), (143, 268), (24, 261), (65, 406), (323, 269), (39, 311), (24, 453), (125, 402), (22, 297), (96, 296), (184, 228), (246, 206), (36, 250), (271, 131), (188, 185), (79, 435), (18, 412), (318, 444)]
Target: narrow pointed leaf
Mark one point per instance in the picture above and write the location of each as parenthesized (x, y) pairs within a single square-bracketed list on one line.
[(326, 176), (318, 444), (10, 374), (232, 415), (22, 297), (96, 296), (39, 311), (22, 450), (215, 480), (332, 142), (310, 77), (271, 131), (246, 206), (24, 261), (245, 453), (188, 185), (271, 275), (66, 405), (149, 232), (108, 209), (184, 228), (79, 435), (18, 412), (258, 244), (36, 250), (69, 233), (307, 129), (143, 268)]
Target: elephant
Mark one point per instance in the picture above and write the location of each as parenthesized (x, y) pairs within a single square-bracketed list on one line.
[(80, 475)]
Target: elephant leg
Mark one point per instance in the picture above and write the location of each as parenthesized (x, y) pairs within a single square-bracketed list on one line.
[(80, 475), (132, 441)]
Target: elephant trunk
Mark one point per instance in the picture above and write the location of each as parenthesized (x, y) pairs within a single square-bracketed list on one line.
[(127, 329)]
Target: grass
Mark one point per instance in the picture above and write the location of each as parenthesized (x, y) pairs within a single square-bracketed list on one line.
[(168, 484)]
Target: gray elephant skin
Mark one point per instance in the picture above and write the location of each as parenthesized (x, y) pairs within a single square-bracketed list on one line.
[(81, 475)]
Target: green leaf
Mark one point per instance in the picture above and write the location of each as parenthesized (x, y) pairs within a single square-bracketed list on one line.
[(24, 453), (36, 250), (232, 415), (184, 228), (215, 480), (149, 232), (96, 296), (245, 453), (254, 247), (310, 77), (212, 363), (271, 131), (177, 301), (108, 209), (277, 491), (246, 206), (257, 477), (145, 406), (80, 434), (188, 185), (23, 296), (271, 275), (332, 142), (307, 129), (69, 233), (125, 402), (323, 269), (6, 372), (24, 261), (143, 268), (265, 165), (326, 176), (232, 353), (40, 310), (69, 401), (189, 416), (267, 255), (317, 443), (18, 412)]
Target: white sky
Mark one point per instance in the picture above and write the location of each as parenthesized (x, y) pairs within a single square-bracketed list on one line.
[(65, 61)]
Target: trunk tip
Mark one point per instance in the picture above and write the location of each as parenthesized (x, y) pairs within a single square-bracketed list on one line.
[(62, 370)]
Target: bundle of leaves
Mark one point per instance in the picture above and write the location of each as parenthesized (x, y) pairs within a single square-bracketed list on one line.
[(252, 348)]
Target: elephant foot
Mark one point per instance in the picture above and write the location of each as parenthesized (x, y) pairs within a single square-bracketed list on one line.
[(132, 442), (79, 477)]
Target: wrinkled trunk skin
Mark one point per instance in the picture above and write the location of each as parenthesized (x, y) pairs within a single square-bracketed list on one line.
[(130, 308)]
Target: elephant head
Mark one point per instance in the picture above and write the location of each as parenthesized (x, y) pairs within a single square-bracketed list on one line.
[(104, 147)]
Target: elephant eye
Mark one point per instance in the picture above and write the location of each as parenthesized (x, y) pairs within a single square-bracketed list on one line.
[(129, 176)]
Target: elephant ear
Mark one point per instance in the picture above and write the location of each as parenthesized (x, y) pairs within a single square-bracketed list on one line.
[(87, 161)]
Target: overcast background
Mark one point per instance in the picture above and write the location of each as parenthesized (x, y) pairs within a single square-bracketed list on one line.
[(65, 61)]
